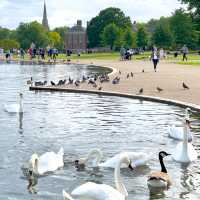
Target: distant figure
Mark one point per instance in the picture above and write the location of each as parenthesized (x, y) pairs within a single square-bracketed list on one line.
[(122, 53), (162, 53), (155, 58), (185, 52)]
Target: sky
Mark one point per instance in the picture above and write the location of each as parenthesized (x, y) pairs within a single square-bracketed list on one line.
[(66, 12)]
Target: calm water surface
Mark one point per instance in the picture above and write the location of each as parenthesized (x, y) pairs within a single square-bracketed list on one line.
[(79, 123)]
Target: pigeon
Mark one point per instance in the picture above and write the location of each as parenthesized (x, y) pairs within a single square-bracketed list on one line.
[(76, 83), (131, 74), (159, 89), (141, 91), (120, 72), (94, 85), (185, 86), (143, 71), (100, 88), (52, 83), (127, 76)]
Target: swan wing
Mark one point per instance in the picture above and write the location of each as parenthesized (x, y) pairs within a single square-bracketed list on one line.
[(111, 162), (95, 191), (178, 133), (12, 108), (48, 162)]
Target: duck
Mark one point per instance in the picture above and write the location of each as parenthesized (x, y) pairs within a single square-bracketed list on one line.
[(93, 191), (184, 151), (15, 108), (177, 133), (47, 162), (160, 179), (137, 159)]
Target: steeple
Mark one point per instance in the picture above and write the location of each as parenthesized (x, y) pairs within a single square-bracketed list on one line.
[(45, 20)]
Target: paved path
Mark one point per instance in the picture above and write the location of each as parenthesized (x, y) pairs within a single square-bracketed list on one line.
[(169, 77)]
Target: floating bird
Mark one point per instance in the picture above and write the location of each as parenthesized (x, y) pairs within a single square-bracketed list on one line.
[(32, 182), (15, 108), (185, 86), (159, 89), (184, 151), (177, 133), (141, 91), (52, 83), (48, 162), (95, 191), (30, 82), (160, 179)]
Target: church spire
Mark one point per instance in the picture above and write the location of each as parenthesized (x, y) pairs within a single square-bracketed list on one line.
[(45, 20)]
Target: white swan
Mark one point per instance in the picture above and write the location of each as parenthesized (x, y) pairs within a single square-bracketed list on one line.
[(15, 108), (178, 132), (48, 162), (93, 191), (184, 151), (137, 159)]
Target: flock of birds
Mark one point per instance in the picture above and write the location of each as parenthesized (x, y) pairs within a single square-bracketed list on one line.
[(93, 80), (184, 152)]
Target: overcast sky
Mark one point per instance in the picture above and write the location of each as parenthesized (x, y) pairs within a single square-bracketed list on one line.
[(66, 12)]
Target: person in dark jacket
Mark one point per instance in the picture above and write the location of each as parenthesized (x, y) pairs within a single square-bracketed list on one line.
[(155, 57)]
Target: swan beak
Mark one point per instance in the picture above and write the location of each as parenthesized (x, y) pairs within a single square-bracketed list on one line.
[(130, 167), (169, 154)]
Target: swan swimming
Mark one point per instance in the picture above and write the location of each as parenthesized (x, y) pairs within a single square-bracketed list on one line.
[(178, 132), (184, 151), (47, 162), (137, 159), (93, 191), (15, 108)]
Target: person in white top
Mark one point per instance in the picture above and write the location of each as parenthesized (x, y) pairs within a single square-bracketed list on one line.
[(155, 58)]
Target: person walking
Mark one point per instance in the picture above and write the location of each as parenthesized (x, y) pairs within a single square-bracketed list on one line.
[(185, 52), (155, 57)]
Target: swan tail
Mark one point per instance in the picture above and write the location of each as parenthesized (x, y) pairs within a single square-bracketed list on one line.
[(66, 196), (61, 151)]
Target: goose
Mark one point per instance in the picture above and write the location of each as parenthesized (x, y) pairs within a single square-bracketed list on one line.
[(178, 132), (160, 179), (15, 108), (184, 151), (48, 162), (137, 159), (95, 191)]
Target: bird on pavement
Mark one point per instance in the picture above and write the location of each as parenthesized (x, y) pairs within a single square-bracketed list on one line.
[(52, 83), (143, 71), (185, 86), (131, 74), (159, 89), (141, 91), (100, 88)]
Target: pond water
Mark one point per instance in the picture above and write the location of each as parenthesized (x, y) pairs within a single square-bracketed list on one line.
[(80, 122)]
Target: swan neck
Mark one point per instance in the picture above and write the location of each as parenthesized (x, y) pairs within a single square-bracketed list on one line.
[(118, 180), (163, 168), (185, 138)]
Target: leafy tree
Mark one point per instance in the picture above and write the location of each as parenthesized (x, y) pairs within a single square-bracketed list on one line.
[(55, 40), (151, 25), (110, 34), (28, 33), (183, 29), (8, 44), (142, 37), (162, 35), (129, 38), (108, 16), (63, 32)]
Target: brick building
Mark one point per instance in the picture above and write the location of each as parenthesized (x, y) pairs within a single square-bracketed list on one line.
[(76, 38)]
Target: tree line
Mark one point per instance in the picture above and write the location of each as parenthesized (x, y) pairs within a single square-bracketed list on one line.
[(111, 28)]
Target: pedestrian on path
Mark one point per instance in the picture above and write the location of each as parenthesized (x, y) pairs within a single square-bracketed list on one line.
[(155, 57), (185, 52)]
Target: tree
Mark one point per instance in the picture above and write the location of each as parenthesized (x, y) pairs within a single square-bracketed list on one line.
[(33, 32), (142, 37), (55, 40), (129, 39), (8, 44), (62, 32), (105, 17), (162, 35), (183, 29), (110, 34)]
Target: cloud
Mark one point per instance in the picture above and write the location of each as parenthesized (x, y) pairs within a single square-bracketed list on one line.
[(66, 13)]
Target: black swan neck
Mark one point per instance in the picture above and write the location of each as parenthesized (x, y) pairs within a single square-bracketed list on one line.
[(163, 168)]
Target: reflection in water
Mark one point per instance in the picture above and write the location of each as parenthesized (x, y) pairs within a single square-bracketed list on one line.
[(21, 122)]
